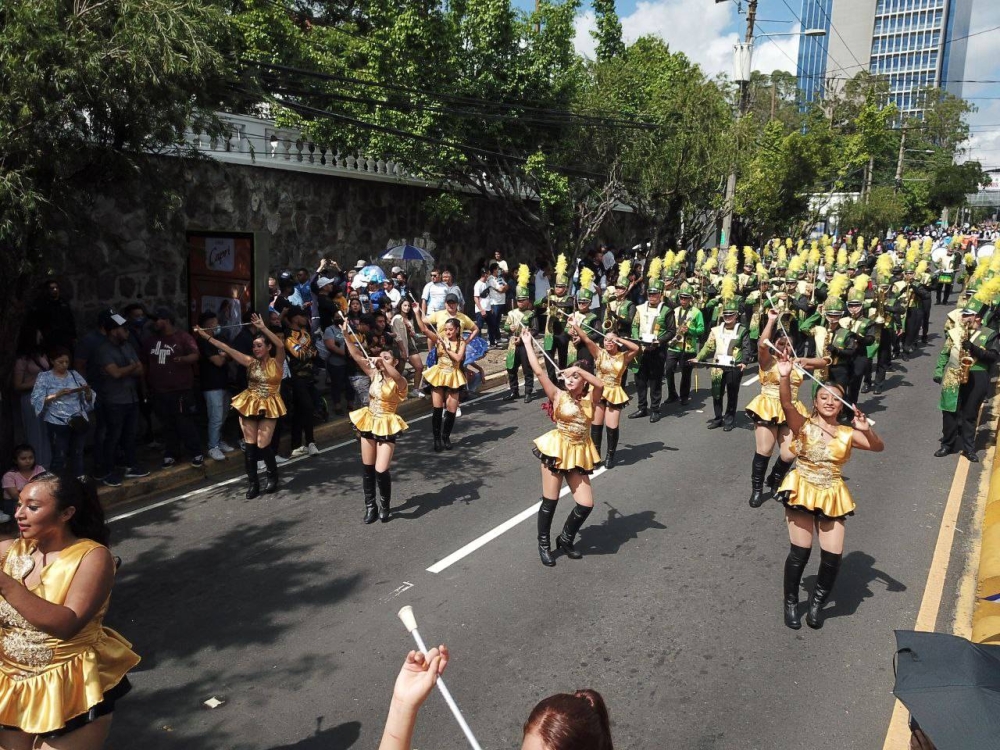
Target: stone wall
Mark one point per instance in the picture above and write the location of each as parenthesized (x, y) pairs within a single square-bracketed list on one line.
[(125, 257)]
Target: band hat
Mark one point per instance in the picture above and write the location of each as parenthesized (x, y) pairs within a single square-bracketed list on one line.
[(584, 295), (655, 286), (522, 292)]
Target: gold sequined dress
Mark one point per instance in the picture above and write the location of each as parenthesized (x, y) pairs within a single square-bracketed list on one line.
[(47, 681), (379, 418), (816, 485), (569, 446), (262, 397), (765, 408), (445, 374), (610, 368)]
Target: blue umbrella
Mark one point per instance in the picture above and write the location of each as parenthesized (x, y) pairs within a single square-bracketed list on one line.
[(407, 252), (370, 273)]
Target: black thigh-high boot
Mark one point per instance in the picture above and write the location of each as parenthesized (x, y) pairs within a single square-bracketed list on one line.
[(545, 514), (272, 469), (757, 479), (596, 433), (384, 481), (609, 460), (829, 566), (368, 486), (447, 424), (781, 467), (571, 528), (436, 419), (795, 563), (250, 463)]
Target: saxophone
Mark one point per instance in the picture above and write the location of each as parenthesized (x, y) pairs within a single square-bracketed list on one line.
[(965, 359)]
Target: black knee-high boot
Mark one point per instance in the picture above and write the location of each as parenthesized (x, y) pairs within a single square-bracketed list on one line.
[(250, 463), (597, 435), (829, 566), (384, 481), (757, 473), (545, 514), (448, 423), (609, 460), (368, 486), (272, 469), (781, 467), (436, 419), (570, 529), (795, 563)]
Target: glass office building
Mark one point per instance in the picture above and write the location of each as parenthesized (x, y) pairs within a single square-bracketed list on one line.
[(913, 43)]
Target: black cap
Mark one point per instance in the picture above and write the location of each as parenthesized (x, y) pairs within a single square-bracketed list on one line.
[(451, 298), (109, 320), (164, 313)]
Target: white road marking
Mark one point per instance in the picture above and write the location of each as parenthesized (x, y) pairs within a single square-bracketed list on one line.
[(751, 381), (398, 590), (233, 480), (489, 536)]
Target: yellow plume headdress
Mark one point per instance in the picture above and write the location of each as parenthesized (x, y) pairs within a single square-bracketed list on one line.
[(838, 285), (655, 266)]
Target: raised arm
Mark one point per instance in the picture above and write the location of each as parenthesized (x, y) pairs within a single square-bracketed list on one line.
[(763, 350), (279, 345), (391, 373), (794, 419), (550, 388), (243, 359), (458, 357), (431, 335), (354, 350), (593, 348), (631, 348)]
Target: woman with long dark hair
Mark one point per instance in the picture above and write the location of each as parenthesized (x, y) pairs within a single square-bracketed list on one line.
[(403, 322), (260, 405), (567, 452), (564, 721), (815, 497), (446, 378), (61, 670), (378, 425)]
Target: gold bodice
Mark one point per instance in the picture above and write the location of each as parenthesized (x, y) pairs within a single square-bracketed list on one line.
[(384, 396), (573, 418), (444, 362), (610, 368), (264, 381), (769, 380), (820, 462)]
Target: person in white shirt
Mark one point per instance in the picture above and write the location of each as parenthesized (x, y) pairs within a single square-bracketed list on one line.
[(435, 290), (448, 277), (608, 259), (483, 301), (498, 259), (390, 291), (498, 300)]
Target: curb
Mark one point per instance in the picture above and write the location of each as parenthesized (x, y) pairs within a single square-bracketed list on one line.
[(184, 476), (986, 615)]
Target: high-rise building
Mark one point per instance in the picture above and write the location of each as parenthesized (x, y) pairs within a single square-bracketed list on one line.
[(913, 43)]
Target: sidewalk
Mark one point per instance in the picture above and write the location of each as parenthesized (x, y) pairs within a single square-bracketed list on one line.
[(183, 476)]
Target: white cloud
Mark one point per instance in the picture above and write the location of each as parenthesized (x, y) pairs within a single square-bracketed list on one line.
[(698, 28)]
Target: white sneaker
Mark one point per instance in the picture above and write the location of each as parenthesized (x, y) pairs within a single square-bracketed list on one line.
[(225, 447), (281, 460), (216, 454), (313, 450), (300, 451)]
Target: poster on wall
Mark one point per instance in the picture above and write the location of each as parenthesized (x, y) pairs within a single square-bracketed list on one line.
[(220, 277)]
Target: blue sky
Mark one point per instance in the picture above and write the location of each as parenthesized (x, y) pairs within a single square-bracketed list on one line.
[(706, 32)]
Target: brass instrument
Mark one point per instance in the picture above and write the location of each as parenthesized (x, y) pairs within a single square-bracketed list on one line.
[(965, 358), (678, 338)]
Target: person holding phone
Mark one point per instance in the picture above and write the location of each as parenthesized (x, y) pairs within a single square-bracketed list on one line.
[(64, 400)]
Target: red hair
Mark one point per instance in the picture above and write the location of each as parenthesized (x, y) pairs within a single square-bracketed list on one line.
[(577, 721)]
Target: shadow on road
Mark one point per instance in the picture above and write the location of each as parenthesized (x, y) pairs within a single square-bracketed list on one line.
[(420, 505), (857, 573), (608, 537), (339, 737), (632, 454)]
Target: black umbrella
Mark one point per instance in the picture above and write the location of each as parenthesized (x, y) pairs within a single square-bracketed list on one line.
[(951, 687)]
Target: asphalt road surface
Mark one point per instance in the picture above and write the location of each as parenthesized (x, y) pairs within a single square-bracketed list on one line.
[(284, 608)]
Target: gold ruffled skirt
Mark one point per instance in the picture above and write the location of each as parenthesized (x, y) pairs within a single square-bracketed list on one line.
[(559, 454), (615, 395), (249, 404), (833, 502), (767, 410), (453, 379), (384, 426), (44, 702)]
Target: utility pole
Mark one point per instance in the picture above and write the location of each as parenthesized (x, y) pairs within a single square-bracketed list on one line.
[(744, 105), (899, 162)]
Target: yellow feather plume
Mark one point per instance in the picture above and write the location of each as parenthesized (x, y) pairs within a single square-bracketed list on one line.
[(989, 293), (861, 282), (928, 245), (842, 256), (783, 254), (901, 242), (921, 268), (830, 257), (796, 264), (995, 263), (715, 252), (561, 265), (733, 261), (883, 266), (699, 259), (655, 266), (524, 275), (800, 245), (710, 265), (826, 240), (838, 285), (728, 287), (980, 273), (860, 244), (969, 259), (855, 257), (680, 258), (586, 278), (624, 269), (912, 253), (815, 256), (761, 272), (788, 243)]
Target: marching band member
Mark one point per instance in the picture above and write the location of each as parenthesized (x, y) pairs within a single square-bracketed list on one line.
[(653, 327), (610, 365), (518, 319), (558, 305), (583, 316), (683, 347), (377, 426), (445, 377), (566, 452), (729, 345), (814, 495)]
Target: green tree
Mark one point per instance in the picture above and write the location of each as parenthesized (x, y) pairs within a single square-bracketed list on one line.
[(609, 31)]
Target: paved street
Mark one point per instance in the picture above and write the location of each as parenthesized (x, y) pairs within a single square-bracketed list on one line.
[(285, 608)]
